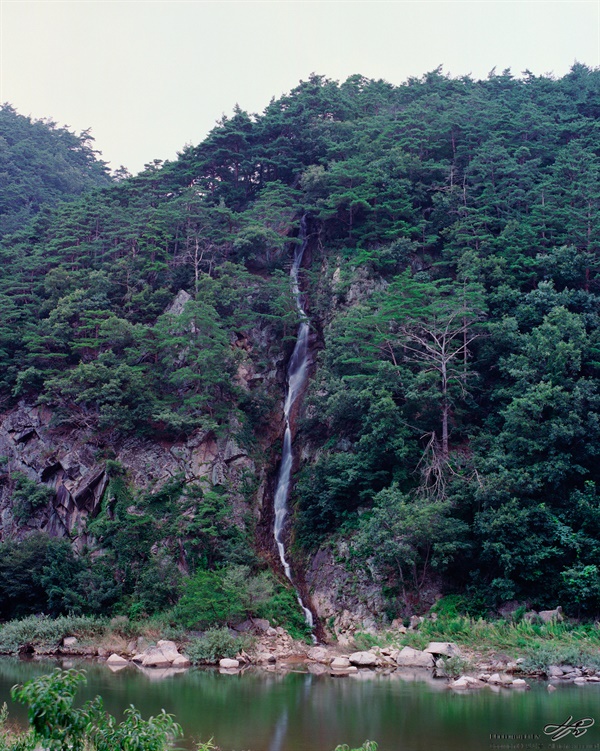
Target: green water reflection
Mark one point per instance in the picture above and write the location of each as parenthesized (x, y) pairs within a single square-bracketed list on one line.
[(258, 711)]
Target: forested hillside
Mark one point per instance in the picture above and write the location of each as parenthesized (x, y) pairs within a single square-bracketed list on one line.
[(450, 434), (40, 165)]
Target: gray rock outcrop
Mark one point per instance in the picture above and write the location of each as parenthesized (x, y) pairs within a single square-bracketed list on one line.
[(413, 658)]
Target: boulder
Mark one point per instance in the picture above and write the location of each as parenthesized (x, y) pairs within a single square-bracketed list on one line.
[(69, 641), (168, 648), (340, 663), (154, 658), (506, 609), (344, 671), (265, 657), (261, 624), (413, 658), (117, 661), (550, 616), (466, 681), (444, 648), (500, 680), (460, 683), (228, 663), (364, 659), (244, 627), (181, 662), (415, 621), (554, 671), (519, 683), (317, 654)]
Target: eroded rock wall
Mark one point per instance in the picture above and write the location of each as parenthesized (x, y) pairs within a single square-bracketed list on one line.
[(72, 464)]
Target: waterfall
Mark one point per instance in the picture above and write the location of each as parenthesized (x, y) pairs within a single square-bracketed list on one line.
[(296, 379)]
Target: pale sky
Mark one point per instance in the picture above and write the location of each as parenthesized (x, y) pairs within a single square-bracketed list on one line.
[(150, 76)]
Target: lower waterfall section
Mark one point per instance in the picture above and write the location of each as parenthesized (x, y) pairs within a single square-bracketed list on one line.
[(296, 380)]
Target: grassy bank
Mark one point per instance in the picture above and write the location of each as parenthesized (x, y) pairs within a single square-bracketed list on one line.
[(539, 645)]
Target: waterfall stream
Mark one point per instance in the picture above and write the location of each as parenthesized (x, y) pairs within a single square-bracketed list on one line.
[(296, 379)]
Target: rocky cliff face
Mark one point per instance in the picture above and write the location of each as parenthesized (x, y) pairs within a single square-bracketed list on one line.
[(72, 463)]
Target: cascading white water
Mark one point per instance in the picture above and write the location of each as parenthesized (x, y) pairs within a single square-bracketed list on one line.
[(296, 376)]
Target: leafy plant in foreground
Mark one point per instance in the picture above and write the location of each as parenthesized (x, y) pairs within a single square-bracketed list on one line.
[(57, 725)]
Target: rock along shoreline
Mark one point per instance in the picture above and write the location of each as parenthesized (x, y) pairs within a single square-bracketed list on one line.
[(273, 649)]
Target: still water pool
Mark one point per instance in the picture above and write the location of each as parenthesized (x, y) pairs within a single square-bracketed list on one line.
[(261, 711)]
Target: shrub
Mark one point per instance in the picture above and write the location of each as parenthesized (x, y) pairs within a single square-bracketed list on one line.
[(542, 656), (282, 609), (47, 632), (205, 602), (28, 496), (215, 644), (57, 725), (455, 666)]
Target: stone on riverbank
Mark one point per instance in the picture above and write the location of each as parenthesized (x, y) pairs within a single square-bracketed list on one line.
[(467, 681), (116, 661), (228, 664), (364, 659), (265, 658), (181, 662), (443, 648), (340, 663), (500, 680), (155, 658), (163, 655), (413, 658), (341, 672), (318, 654), (550, 616), (169, 649)]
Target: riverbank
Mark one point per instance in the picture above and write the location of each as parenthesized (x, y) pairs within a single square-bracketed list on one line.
[(449, 647)]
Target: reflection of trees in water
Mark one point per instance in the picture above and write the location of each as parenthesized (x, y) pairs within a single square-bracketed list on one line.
[(280, 731), (267, 711)]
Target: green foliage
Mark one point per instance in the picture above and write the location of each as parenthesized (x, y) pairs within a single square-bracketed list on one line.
[(34, 574), (57, 725), (215, 644), (582, 588), (233, 594), (409, 537), (11, 741), (206, 602), (42, 164), (28, 496), (281, 609), (455, 666), (455, 398), (47, 632)]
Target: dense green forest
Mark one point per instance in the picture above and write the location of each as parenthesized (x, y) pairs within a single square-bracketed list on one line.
[(453, 288), (40, 165)]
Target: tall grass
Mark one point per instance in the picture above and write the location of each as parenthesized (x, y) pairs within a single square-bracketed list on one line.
[(48, 632), (539, 644), (479, 634)]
